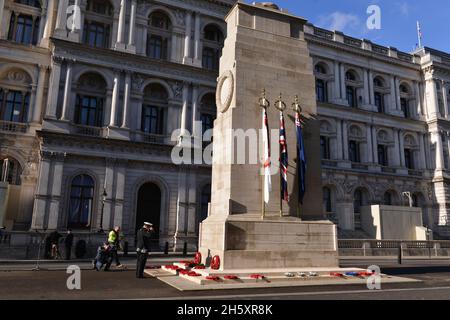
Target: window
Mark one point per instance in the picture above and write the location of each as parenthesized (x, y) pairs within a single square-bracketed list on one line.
[(98, 22), (321, 91), (379, 102), (353, 150), (387, 199), (350, 76), (12, 169), (96, 34), (409, 160), (377, 82), (212, 47), (31, 3), (325, 147), (14, 106), (153, 109), (90, 100), (159, 33), (23, 29), (382, 155), (157, 47), (207, 121), (81, 202), (319, 68), (351, 97), (152, 120), (210, 59), (327, 201), (404, 107)]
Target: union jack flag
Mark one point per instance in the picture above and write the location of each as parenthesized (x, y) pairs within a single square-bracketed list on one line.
[(283, 161), (301, 162)]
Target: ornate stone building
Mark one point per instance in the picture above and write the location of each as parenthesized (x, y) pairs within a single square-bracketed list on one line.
[(88, 105)]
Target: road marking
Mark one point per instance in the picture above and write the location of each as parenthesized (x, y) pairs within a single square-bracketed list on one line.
[(287, 294)]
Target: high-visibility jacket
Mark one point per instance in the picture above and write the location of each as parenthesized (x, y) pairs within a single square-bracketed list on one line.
[(113, 237)]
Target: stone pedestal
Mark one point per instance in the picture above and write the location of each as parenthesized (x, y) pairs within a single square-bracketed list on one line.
[(265, 48)]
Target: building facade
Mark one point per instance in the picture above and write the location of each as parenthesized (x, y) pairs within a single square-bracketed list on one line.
[(91, 91)]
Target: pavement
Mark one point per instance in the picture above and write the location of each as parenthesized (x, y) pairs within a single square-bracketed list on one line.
[(122, 284)]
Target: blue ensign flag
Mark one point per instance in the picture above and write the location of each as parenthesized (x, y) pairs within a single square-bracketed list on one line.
[(283, 161), (301, 159)]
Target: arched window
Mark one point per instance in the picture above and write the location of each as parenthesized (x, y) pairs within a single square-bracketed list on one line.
[(154, 109), (405, 99), (351, 88), (14, 96), (212, 47), (382, 151), (379, 86), (98, 23), (390, 198), (159, 33), (81, 202), (321, 82), (208, 111), (90, 100), (350, 76), (11, 171)]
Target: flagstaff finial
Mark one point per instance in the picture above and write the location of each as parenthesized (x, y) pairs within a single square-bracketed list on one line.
[(279, 104), (263, 102), (296, 106)]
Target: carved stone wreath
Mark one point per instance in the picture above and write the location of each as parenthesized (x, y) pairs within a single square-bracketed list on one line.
[(225, 91)]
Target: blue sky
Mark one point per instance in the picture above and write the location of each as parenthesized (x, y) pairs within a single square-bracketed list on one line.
[(398, 20)]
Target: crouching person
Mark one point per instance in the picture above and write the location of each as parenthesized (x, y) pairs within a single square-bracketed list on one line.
[(103, 257), (143, 246)]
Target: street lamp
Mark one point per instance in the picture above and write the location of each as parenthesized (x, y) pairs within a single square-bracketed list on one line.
[(104, 195)]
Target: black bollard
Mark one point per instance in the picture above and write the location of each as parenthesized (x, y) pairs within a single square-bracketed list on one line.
[(125, 248), (166, 248), (400, 254), (185, 249)]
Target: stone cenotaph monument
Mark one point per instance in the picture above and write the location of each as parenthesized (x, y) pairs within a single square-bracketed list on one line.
[(265, 48)]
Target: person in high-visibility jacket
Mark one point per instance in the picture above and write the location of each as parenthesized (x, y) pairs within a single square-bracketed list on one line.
[(114, 242)]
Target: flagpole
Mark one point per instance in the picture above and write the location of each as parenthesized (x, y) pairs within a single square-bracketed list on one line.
[(419, 34), (281, 106), (264, 104), (297, 109)]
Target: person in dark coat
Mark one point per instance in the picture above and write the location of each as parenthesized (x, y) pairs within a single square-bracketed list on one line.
[(103, 257), (143, 246), (54, 241), (68, 242)]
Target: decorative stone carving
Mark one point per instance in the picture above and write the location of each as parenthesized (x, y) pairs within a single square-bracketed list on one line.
[(225, 91)]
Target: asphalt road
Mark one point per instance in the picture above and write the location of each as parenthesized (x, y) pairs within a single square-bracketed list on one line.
[(121, 284)]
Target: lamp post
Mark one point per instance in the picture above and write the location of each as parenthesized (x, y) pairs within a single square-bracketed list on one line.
[(104, 195)]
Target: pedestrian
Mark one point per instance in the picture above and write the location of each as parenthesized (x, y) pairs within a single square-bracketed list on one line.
[(143, 246), (103, 257), (54, 242), (68, 242), (114, 242)]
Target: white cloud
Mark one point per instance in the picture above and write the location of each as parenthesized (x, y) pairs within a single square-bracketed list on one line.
[(340, 21), (404, 8)]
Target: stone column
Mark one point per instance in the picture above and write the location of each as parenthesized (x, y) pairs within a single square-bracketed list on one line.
[(396, 151), (375, 144), (5, 169), (187, 38), (131, 42), (397, 93), (419, 110), (402, 148), (345, 139), (56, 187), (439, 151), (342, 81), (184, 109), (144, 40), (371, 90), (174, 47), (126, 101), (444, 98), (393, 106), (369, 144), (339, 146), (121, 27), (196, 132), (42, 191), (37, 111), (67, 92), (120, 193), (366, 87), (52, 101), (115, 99), (51, 5), (108, 183), (422, 159), (197, 50), (337, 82), (75, 29), (182, 208), (61, 20)]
